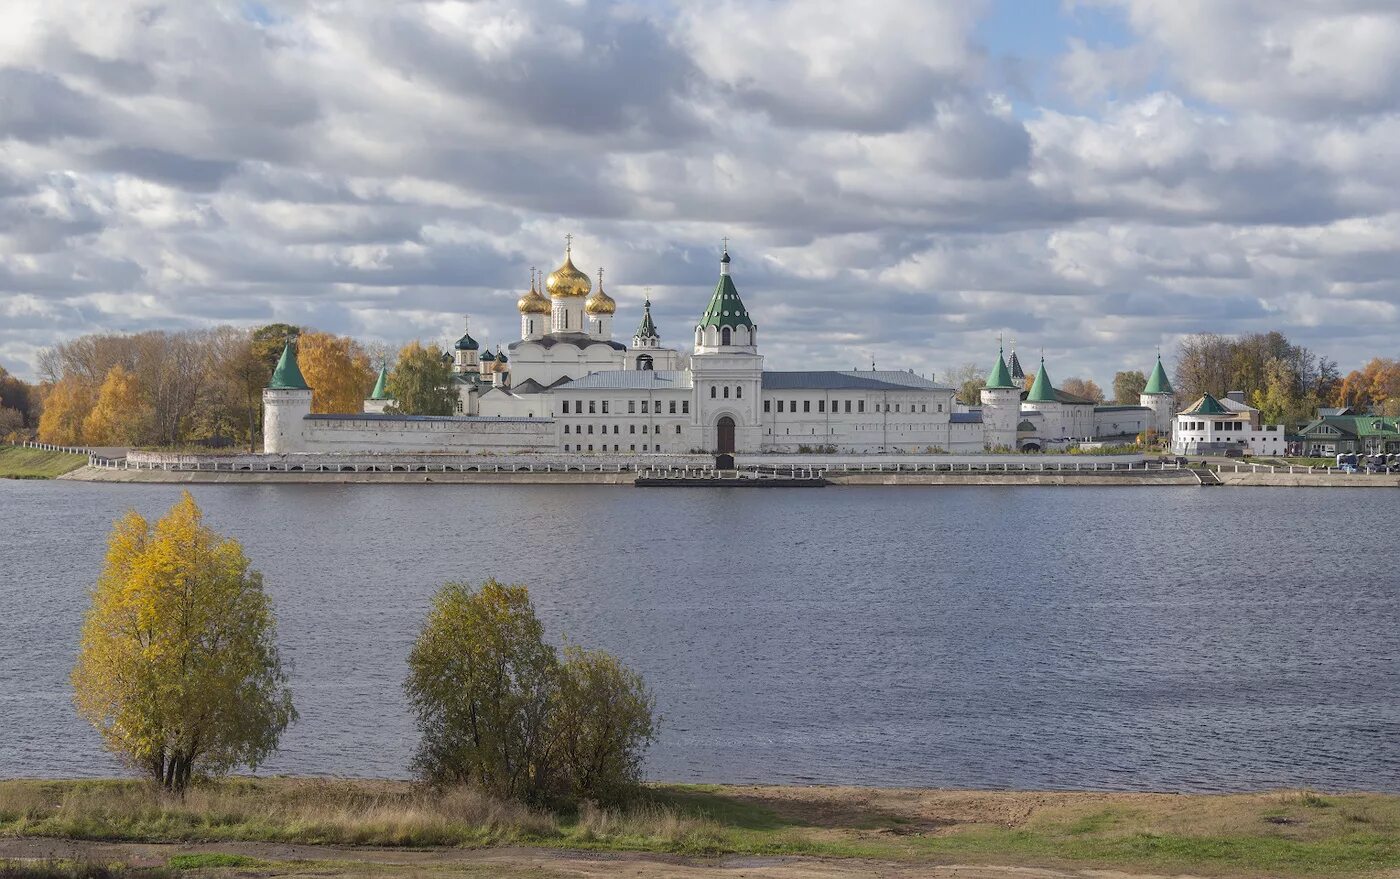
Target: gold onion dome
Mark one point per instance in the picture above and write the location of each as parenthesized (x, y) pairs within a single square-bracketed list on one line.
[(533, 302), (567, 282), (600, 302)]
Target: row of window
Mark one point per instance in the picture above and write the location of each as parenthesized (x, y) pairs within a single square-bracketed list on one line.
[(1219, 425), (603, 428), (594, 406), (887, 428), (616, 447), (836, 406), (738, 389)]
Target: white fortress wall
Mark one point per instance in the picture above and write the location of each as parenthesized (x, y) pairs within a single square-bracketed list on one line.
[(389, 434)]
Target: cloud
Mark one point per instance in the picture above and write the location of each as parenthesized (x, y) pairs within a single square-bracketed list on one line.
[(382, 168)]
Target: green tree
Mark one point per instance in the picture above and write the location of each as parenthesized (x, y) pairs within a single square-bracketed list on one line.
[(602, 722), (480, 681), (268, 341), (421, 383), (178, 668), (1127, 387)]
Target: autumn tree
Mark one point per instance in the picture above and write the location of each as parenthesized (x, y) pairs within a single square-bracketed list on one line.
[(1376, 386), (480, 681), (338, 371), (421, 383), (1127, 387), (1086, 388), (969, 379), (120, 414), (497, 709), (19, 397), (66, 408), (268, 341), (178, 667)]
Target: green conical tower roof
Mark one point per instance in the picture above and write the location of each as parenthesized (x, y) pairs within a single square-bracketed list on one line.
[(1157, 383), (1207, 405), (287, 375), (381, 392), (1041, 390), (726, 309), (1000, 379), (647, 329)]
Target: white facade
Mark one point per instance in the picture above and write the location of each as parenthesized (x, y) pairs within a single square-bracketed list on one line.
[(1211, 427), (568, 387)]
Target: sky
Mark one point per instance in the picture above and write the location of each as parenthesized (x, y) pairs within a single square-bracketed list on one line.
[(901, 182)]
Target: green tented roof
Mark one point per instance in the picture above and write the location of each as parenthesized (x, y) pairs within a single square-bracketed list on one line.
[(1001, 376), (1207, 405), (1157, 383), (380, 391), (647, 329), (1042, 391), (726, 309), (287, 376)]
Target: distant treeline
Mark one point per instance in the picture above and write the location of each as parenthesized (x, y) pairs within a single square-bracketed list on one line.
[(205, 386)]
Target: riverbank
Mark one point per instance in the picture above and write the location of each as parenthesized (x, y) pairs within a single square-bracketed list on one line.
[(18, 462), (353, 827)]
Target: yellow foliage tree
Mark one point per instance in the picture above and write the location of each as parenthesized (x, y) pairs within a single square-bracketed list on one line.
[(66, 407), (338, 371), (120, 414), (178, 668)]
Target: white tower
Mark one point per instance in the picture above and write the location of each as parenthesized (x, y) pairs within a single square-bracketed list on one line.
[(1159, 396), (599, 310), (534, 312), (1001, 406), (568, 288), (727, 371), (286, 404)]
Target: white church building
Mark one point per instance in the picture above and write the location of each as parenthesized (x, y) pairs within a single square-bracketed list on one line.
[(566, 385)]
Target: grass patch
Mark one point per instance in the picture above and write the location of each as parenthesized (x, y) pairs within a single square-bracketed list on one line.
[(18, 462), (1297, 833), (210, 860), (55, 869)]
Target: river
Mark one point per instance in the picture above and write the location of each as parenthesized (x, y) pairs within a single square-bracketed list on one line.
[(1108, 638)]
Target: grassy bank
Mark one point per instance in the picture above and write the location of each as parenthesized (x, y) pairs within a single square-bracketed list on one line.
[(17, 462), (1275, 834)]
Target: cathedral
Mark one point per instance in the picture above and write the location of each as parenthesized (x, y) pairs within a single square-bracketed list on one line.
[(567, 386)]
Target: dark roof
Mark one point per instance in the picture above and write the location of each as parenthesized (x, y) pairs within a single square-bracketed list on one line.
[(1206, 405), (374, 416), (1017, 372), (842, 381), (529, 386), (1122, 409), (965, 418), (466, 343), (1065, 397), (578, 340)]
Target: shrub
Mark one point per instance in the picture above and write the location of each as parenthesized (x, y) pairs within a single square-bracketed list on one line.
[(497, 709)]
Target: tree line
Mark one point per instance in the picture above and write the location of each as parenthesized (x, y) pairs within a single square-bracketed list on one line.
[(204, 387), (180, 672)]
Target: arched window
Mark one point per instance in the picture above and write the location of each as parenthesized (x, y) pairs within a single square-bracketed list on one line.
[(726, 392), (644, 362), (714, 392), (739, 391), (724, 336)]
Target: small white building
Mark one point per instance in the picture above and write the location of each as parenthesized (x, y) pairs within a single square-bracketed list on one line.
[(1211, 426)]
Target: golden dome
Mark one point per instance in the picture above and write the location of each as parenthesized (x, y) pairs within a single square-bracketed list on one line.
[(567, 282), (533, 302), (600, 302)]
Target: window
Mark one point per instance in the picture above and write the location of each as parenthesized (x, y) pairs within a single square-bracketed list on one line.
[(592, 407), (590, 447), (940, 407), (780, 405), (631, 428), (590, 431), (923, 407), (724, 336), (566, 320), (615, 430), (767, 405), (714, 392), (644, 428), (726, 392), (860, 405), (605, 407), (566, 430), (806, 405), (685, 407), (821, 405), (896, 407), (673, 407), (739, 391), (678, 430), (632, 447), (848, 407), (566, 407), (646, 406), (631, 407), (578, 407)]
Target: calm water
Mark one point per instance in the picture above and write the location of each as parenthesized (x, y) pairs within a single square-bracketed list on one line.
[(1031, 637)]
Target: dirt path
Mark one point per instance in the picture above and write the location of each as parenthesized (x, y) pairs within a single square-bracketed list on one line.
[(508, 863)]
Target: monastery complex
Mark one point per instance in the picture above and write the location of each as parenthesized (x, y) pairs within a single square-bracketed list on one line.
[(566, 385)]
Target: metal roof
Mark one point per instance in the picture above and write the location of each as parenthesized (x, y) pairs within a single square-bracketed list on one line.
[(1122, 409), (375, 416), (834, 380), (631, 380), (578, 340), (965, 418)]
